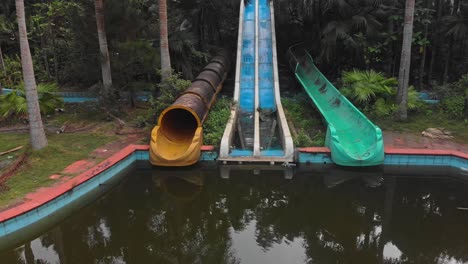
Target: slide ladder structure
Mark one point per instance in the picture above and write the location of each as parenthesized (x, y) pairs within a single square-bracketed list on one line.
[(352, 138), (257, 130)]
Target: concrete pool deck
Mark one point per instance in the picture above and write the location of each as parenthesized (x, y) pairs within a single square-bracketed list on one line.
[(401, 149)]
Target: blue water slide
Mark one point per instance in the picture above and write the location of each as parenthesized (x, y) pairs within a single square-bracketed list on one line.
[(257, 130), (265, 58), (247, 78)]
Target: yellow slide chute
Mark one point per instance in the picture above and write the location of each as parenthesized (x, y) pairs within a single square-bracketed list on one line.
[(177, 138)]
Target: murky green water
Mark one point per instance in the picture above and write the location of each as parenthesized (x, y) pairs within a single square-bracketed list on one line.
[(199, 217)]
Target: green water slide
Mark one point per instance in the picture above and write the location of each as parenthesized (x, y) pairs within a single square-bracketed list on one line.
[(352, 138)]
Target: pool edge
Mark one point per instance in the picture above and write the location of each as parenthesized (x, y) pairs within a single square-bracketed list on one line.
[(317, 155)]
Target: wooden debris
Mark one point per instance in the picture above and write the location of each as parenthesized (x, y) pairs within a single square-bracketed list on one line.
[(437, 133), (13, 168), (120, 121), (11, 150), (62, 128)]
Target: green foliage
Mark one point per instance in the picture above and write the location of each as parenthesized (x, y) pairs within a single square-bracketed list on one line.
[(134, 61), (364, 87), (184, 55), (419, 39), (383, 107), (50, 36), (11, 75), (454, 97), (414, 102), (453, 89), (305, 122), (168, 92), (461, 86), (454, 106), (302, 139), (375, 94), (361, 34), (15, 103), (214, 125)]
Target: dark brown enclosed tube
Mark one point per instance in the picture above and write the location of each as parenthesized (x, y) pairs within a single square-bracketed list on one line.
[(190, 109), (215, 67), (194, 102), (223, 59), (202, 89), (177, 139), (210, 77)]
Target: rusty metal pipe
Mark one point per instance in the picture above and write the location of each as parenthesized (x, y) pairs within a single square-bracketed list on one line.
[(177, 139), (209, 77), (202, 89)]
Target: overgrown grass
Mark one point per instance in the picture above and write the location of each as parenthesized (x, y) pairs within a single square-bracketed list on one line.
[(305, 121), (310, 130), (214, 125), (418, 122), (78, 112), (9, 141), (62, 150)]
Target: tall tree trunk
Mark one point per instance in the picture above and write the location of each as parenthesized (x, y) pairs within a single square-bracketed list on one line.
[(58, 236), (390, 54), (466, 104), (29, 254), (405, 62), (2, 62), (445, 75), (36, 128), (2, 65), (456, 6), (448, 58), (56, 66), (424, 51), (435, 38), (104, 58), (390, 186), (164, 41), (45, 58), (423, 59)]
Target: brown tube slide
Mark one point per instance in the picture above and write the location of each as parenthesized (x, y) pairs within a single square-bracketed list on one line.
[(177, 138)]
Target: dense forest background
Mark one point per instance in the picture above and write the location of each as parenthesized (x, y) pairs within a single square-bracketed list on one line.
[(342, 35)]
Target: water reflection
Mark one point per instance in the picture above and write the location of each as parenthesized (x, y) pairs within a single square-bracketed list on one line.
[(249, 251), (198, 217)]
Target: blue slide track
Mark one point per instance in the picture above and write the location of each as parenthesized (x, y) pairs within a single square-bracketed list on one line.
[(247, 82), (257, 130), (265, 58), (247, 79)]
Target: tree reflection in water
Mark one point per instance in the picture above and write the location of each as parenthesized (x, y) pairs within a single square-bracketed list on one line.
[(191, 216)]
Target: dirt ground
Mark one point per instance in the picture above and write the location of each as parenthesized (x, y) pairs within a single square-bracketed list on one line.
[(417, 141)]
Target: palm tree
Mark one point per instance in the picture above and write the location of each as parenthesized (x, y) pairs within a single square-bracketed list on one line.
[(105, 60), (164, 42), (364, 87), (2, 62), (36, 128), (2, 65), (456, 25), (405, 62)]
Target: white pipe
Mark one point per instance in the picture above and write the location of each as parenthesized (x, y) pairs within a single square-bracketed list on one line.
[(288, 145), (256, 150), (231, 125)]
